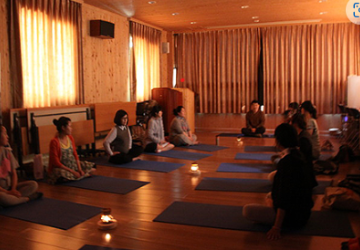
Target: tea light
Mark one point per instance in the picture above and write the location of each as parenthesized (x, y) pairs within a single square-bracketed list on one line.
[(107, 221), (238, 139), (194, 169)]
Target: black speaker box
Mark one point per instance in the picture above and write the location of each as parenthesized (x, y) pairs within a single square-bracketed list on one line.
[(102, 29)]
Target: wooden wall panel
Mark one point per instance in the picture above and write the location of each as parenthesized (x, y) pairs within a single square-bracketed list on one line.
[(5, 88), (167, 61), (106, 61), (164, 81)]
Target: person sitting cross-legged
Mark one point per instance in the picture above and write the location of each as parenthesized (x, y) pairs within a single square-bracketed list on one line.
[(291, 194), (13, 192), (64, 162), (255, 120)]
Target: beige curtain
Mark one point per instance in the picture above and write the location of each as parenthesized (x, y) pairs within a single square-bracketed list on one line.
[(220, 67), (309, 62), (50, 51), (145, 72)]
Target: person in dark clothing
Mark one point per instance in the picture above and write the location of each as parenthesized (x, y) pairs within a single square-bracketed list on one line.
[(299, 123), (293, 108), (255, 121), (118, 143), (292, 188)]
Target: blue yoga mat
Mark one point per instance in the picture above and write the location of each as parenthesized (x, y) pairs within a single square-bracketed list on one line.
[(230, 135), (51, 212), (242, 135), (260, 149), (253, 156), (107, 184), (177, 154), (324, 156), (246, 185), (157, 166), (245, 168), (205, 147), (267, 157), (321, 223), (93, 247)]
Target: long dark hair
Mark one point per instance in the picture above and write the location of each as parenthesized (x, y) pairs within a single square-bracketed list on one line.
[(177, 110), (63, 121), (309, 107)]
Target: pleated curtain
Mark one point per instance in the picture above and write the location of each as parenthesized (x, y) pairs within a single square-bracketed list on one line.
[(299, 62)]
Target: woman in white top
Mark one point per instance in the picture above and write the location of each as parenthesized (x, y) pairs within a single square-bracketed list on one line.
[(309, 112), (118, 143), (155, 141)]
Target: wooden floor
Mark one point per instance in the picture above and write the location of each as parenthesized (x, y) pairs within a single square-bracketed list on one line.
[(136, 210)]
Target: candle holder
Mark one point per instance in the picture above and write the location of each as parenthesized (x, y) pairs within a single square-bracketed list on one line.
[(106, 221), (194, 169)]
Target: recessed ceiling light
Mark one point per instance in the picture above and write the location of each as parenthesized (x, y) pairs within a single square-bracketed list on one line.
[(323, 13), (175, 14), (255, 17), (256, 21), (152, 2), (322, 1), (245, 6), (192, 22)]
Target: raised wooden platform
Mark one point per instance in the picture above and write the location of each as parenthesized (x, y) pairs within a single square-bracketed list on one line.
[(234, 122)]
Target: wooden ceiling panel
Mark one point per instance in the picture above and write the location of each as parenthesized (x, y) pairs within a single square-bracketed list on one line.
[(210, 14)]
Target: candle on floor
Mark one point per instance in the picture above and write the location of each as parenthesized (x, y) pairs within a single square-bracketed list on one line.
[(194, 169), (107, 221)]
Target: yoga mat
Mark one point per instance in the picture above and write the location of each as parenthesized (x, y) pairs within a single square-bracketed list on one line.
[(267, 157), (51, 212), (324, 157), (93, 247), (245, 168), (321, 223), (230, 135), (242, 135), (205, 147), (246, 185), (107, 184), (260, 149), (253, 156), (177, 154), (156, 166)]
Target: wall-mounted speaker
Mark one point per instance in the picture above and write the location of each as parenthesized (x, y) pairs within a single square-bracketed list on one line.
[(102, 29), (165, 48)]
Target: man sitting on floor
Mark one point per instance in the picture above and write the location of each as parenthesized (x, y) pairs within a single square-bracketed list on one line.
[(255, 120)]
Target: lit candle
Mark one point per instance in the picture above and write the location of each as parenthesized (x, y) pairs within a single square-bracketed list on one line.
[(194, 169), (106, 221)]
